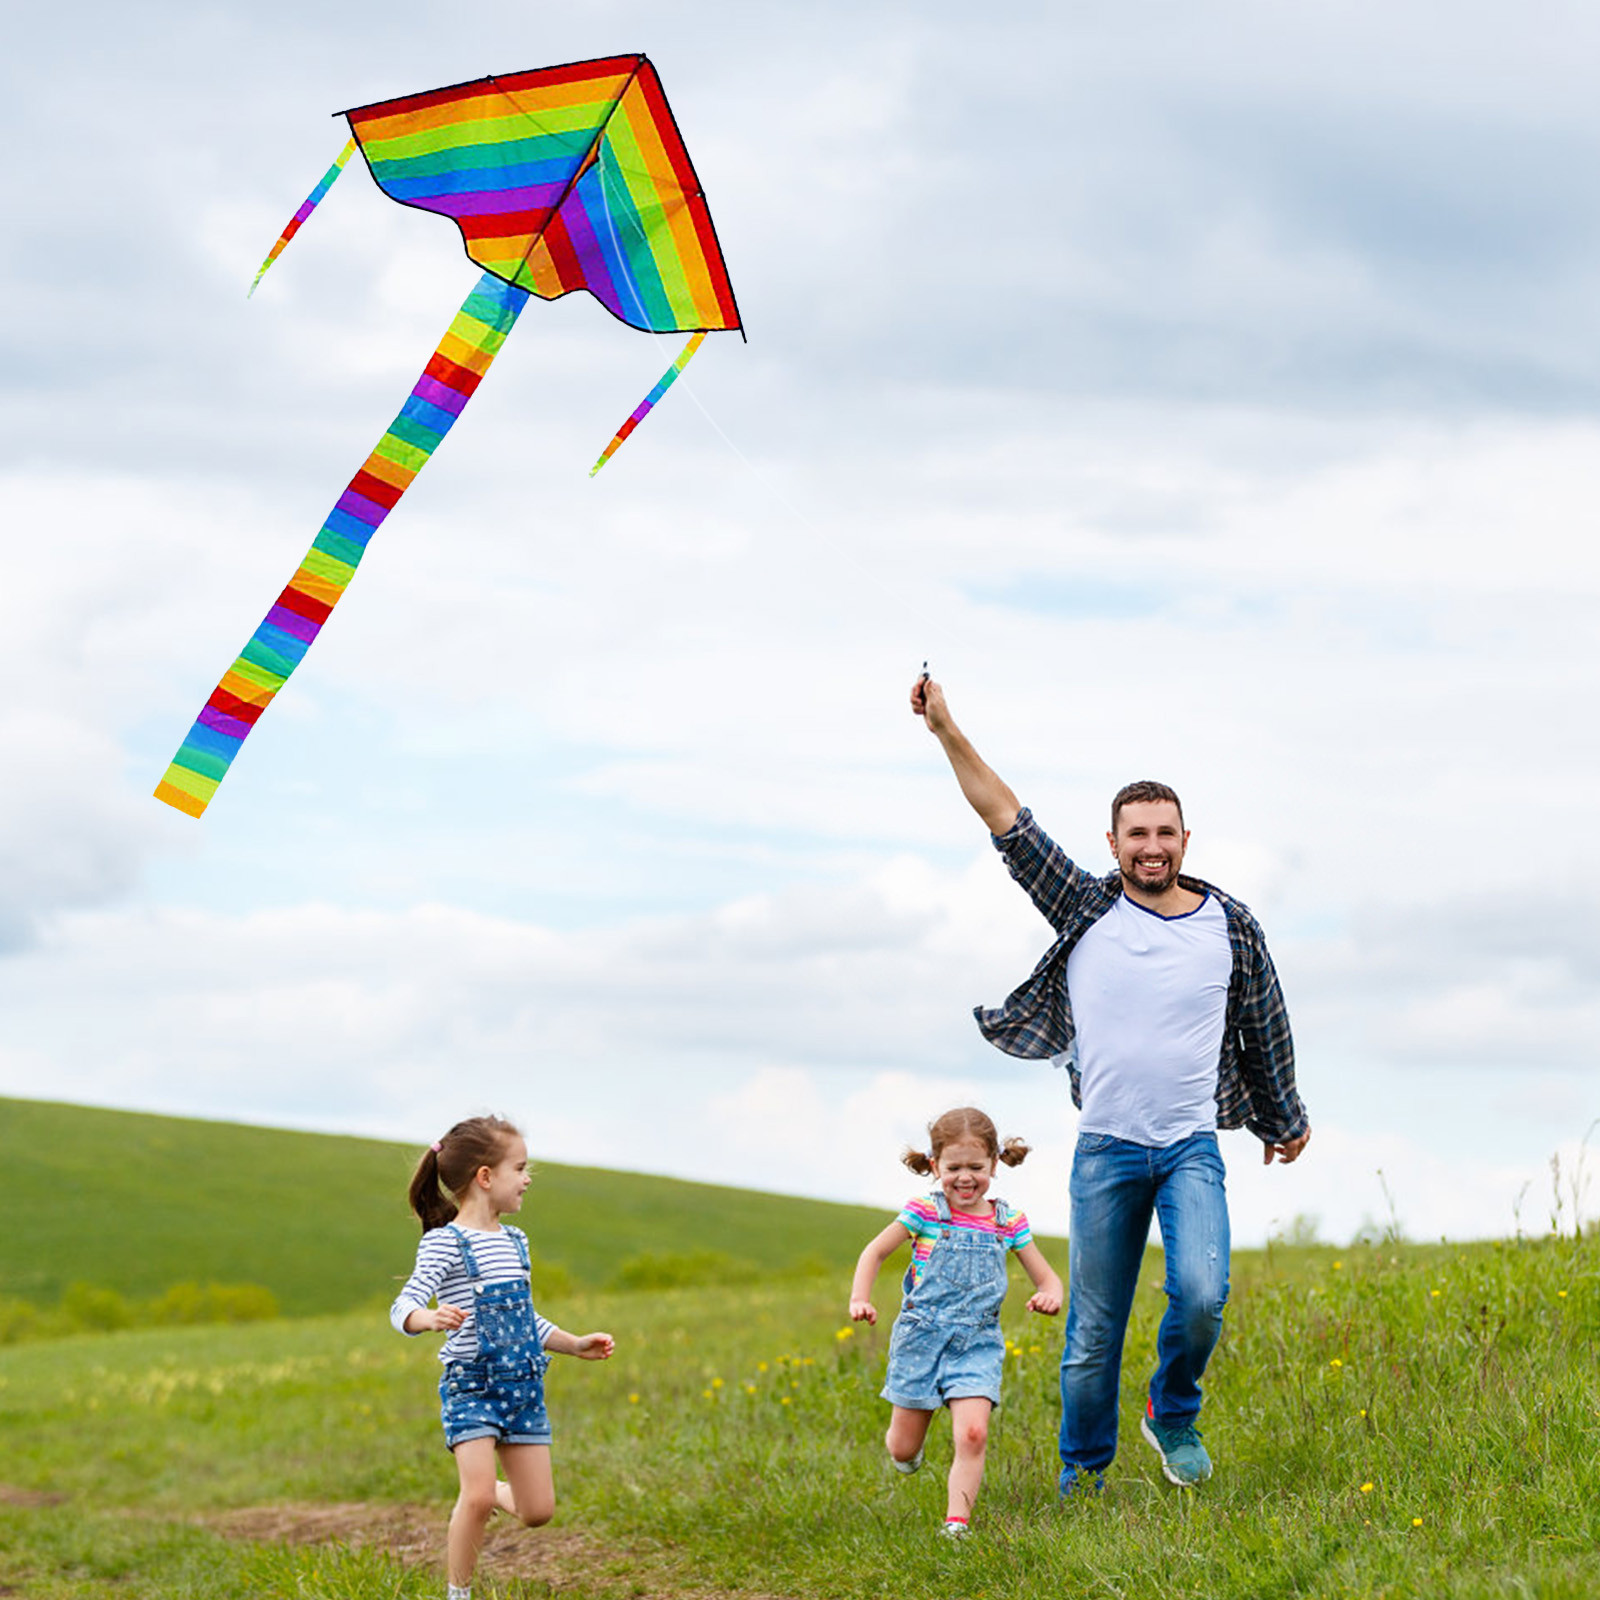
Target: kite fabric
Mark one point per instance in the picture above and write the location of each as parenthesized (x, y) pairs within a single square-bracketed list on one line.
[(305, 211), (288, 629), (642, 410), (565, 178)]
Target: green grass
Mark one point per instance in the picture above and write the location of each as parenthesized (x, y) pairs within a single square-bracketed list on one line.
[(1390, 1421), (138, 1203)]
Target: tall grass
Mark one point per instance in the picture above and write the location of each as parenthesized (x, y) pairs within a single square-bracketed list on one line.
[(1391, 1420)]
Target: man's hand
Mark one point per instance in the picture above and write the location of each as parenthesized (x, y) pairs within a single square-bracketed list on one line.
[(1285, 1152), (986, 793), (927, 700)]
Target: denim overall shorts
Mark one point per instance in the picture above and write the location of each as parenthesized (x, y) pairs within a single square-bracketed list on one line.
[(500, 1393), (947, 1343)]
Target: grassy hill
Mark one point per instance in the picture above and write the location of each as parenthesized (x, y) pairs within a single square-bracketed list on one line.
[(137, 1203)]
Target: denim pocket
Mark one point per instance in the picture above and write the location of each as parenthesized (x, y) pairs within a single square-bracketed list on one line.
[(1091, 1144), (463, 1378)]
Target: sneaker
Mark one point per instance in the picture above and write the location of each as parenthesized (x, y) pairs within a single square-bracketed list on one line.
[(1075, 1485), (907, 1467), (1183, 1457), (954, 1528)]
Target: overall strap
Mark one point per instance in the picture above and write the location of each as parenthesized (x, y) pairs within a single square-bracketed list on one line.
[(522, 1245), (944, 1207), (467, 1257)]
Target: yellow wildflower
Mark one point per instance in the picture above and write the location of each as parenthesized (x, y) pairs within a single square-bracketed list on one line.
[(1366, 1488)]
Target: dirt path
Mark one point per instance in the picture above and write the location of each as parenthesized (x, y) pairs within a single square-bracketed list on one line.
[(415, 1535)]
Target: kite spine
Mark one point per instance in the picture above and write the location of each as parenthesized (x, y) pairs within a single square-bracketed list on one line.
[(309, 205), (277, 647), (642, 410)]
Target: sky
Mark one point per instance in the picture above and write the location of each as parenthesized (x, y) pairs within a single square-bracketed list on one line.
[(1208, 393)]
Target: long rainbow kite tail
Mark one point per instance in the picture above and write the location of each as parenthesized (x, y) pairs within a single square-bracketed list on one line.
[(305, 211), (668, 378), (275, 649)]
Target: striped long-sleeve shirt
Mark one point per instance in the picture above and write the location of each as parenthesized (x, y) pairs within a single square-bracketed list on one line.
[(1255, 1075), (440, 1273)]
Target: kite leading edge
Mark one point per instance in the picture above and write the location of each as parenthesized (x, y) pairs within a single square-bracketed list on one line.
[(564, 178)]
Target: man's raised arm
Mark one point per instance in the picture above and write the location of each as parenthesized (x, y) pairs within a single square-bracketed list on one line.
[(986, 792)]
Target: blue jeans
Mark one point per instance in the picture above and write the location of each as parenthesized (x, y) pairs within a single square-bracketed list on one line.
[(1116, 1186)]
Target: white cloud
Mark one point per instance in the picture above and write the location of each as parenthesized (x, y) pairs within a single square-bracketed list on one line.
[(1208, 401)]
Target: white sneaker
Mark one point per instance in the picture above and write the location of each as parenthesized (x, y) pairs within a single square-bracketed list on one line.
[(907, 1467), (954, 1530)]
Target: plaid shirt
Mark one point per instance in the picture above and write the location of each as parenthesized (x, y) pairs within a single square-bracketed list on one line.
[(1255, 1073)]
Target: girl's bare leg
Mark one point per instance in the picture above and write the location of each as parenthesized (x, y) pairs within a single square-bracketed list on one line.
[(907, 1430), (969, 1422), (474, 1505), (529, 1491)]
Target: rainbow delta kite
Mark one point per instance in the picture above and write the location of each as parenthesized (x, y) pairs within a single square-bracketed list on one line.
[(571, 177)]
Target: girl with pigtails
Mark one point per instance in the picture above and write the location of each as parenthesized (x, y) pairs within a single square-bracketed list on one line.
[(947, 1348), (492, 1391)]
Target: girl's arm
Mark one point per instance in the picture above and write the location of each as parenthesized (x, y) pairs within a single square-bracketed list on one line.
[(1047, 1286), (411, 1312), (873, 1257), (586, 1346)]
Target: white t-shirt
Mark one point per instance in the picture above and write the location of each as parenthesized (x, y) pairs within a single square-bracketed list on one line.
[(1149, 995)]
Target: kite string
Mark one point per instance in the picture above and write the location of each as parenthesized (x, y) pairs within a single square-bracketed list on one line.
[(908, 612)]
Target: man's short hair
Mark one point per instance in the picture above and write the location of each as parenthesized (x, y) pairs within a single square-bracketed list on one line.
[(1136, 793)]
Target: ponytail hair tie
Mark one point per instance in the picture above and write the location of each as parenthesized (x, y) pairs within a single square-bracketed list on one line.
[(434, 1147)]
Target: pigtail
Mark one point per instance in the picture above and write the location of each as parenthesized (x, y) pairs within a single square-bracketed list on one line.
[(918, 1161), (1014, 1152), (967, 1122)]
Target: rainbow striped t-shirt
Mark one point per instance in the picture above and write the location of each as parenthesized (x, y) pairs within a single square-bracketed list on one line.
[(920, 1218)]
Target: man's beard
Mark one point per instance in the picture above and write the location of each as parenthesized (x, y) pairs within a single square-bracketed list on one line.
[(1151, 885)]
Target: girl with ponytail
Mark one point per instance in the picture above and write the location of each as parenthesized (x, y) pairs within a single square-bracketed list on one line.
[(471, 1283)]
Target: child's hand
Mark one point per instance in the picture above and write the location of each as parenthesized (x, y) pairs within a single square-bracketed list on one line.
[(863, 1311), (435, 1319), (594, 1346), (1046, 1302)]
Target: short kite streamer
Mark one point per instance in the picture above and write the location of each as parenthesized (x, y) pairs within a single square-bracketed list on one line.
[(668, 378), (565, 178), (305, 211)]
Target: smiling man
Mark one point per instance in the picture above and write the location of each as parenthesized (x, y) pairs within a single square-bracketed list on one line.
[(1159, 996)]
